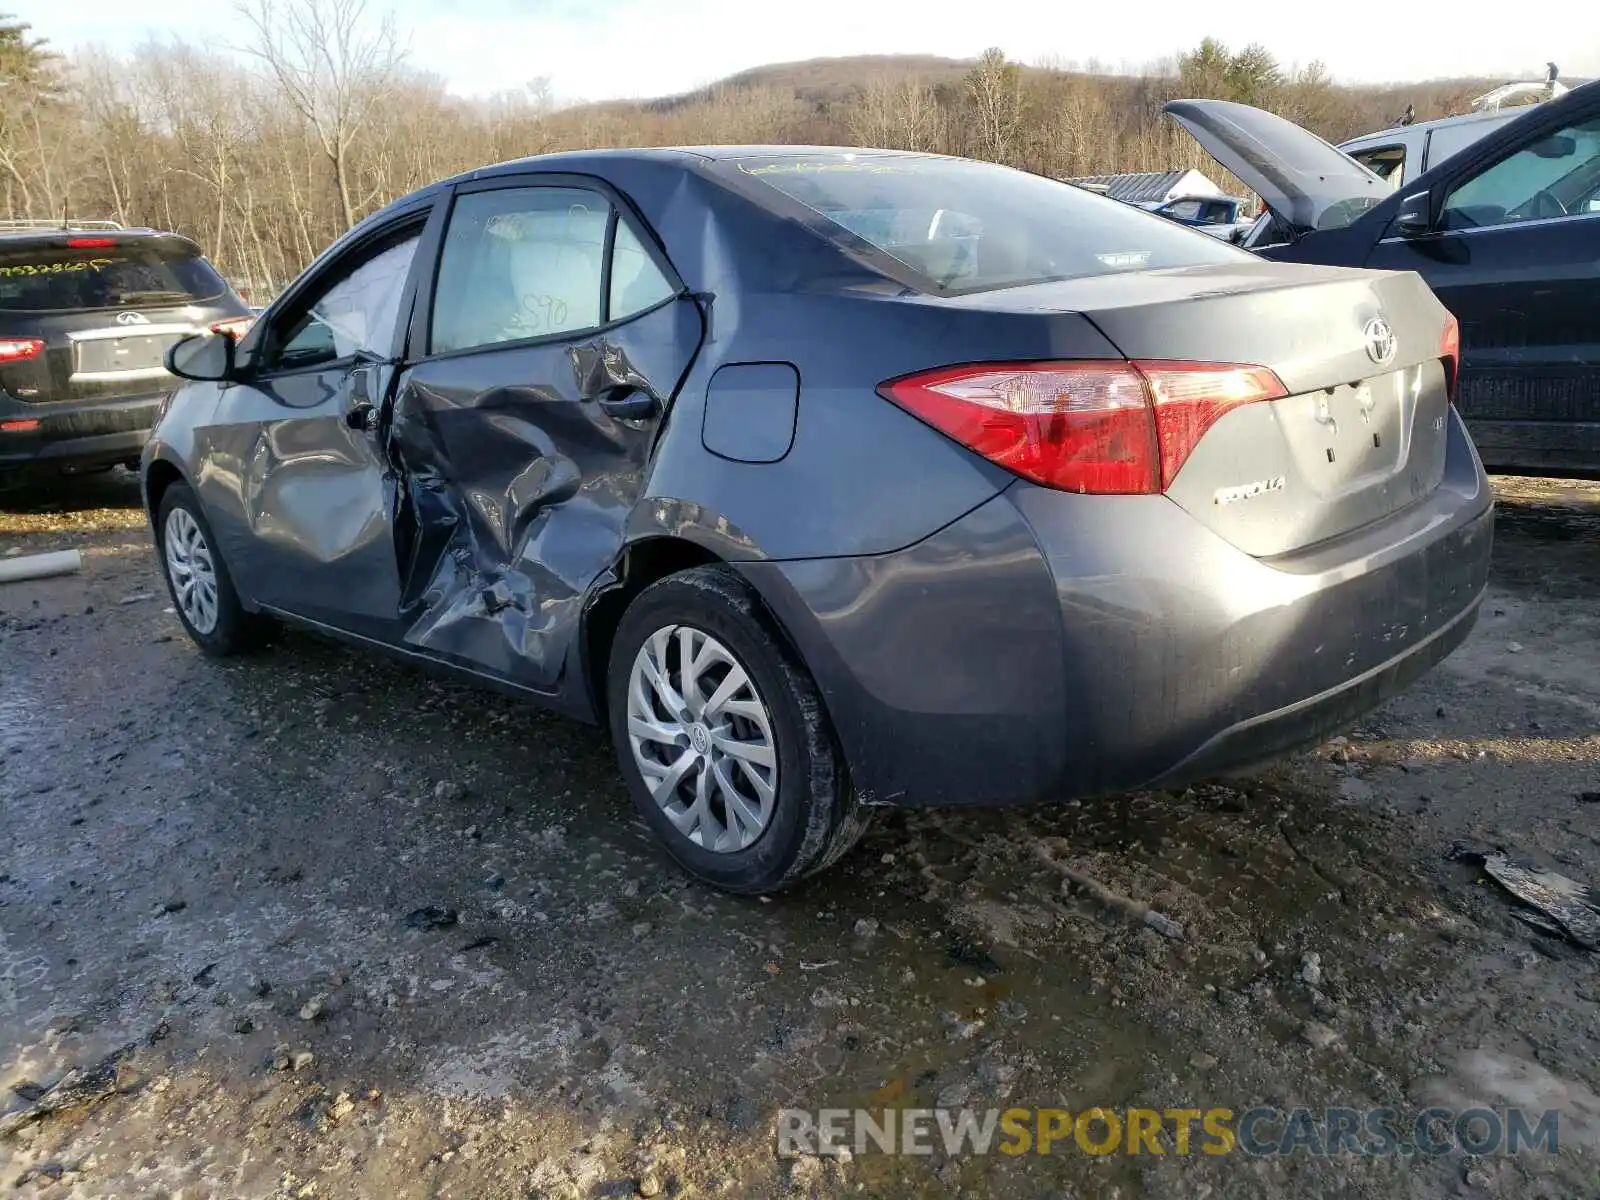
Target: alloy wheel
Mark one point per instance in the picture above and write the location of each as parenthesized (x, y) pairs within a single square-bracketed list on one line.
[(702, 738), (191, 570)]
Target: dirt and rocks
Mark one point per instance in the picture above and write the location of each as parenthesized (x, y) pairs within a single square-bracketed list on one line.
[(313, 924)]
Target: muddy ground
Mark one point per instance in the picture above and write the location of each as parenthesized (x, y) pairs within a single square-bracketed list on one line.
[(361, 933)]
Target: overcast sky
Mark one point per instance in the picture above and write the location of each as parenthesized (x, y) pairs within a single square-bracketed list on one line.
[(599, 49)]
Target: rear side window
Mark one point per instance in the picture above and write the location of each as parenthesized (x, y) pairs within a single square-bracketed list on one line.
[(637, 283), (124, 275), (1388, 163), (519, 263), (963, 226), (529, 262), (1452, 139)]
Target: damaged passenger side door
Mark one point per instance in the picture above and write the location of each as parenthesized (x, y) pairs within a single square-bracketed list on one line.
[(301, 433), (553, 337)]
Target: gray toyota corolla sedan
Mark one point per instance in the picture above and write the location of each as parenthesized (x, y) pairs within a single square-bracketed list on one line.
[(834, 479)]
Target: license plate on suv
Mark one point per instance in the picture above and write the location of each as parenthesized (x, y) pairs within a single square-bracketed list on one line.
[(110, 356)]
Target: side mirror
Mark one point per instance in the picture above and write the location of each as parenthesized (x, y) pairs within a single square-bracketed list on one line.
[(203, 356), (1413, 218)]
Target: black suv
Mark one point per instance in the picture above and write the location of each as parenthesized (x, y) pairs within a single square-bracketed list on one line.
[(87, 311)]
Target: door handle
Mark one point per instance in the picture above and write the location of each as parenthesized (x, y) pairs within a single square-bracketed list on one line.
[(629, 403), (362, 417)]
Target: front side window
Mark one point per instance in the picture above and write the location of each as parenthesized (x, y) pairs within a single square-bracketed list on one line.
[(961, 226), (354, 315), (1556, 176)]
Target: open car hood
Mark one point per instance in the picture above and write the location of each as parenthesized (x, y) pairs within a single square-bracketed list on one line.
[(1306, 182)]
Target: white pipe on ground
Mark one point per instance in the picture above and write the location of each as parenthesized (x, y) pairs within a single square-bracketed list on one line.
[(40, 566)]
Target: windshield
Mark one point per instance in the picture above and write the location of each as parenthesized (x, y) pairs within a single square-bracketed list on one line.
[(963, 226), (62, 279)]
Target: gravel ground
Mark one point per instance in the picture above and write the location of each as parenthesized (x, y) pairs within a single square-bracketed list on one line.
[(316, 924)]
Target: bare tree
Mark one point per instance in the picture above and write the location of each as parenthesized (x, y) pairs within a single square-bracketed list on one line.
[(994, 90), (333, 66), (266, 163), (896, 114)]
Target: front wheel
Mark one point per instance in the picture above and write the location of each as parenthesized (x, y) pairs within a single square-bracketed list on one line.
[(202, 590), (723, 739)]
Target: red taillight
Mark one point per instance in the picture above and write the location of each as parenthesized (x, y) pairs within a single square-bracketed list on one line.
[(1094, 426), (235, 327), (1192, 397), (91, 243), (1450, 352), (18, 426), (17, 349)]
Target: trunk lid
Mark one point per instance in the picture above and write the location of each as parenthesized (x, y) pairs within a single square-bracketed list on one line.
[(1355, 439), (1308, 183)]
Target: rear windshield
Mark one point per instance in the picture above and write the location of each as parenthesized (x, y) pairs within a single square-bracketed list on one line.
[(59, 279), (964, 226)]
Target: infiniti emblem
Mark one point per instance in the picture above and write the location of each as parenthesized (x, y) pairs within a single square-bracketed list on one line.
[(132, 318), (1380, 340)]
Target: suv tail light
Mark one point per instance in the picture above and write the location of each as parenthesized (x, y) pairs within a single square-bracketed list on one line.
[(1450, 352), (1094, 426), (17, 349), (235, 327), (91, 243)]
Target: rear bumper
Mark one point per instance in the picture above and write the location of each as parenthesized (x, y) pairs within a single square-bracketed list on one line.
[(74, 435), (1262, 738), (1049, 646)]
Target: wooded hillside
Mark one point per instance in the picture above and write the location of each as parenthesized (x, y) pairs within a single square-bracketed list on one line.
[(264, 157)]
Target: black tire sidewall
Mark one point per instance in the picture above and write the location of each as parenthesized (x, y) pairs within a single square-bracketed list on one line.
[(232, 632), (812, 783)]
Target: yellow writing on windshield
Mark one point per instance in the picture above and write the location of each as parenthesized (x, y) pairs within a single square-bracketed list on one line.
[(55, 268)]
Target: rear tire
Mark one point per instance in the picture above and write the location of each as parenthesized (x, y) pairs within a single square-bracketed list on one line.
[(754, 791), (197, 579)]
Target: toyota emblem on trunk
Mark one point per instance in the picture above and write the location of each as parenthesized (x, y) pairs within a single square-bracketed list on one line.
[(1380, 340), (132, 318)]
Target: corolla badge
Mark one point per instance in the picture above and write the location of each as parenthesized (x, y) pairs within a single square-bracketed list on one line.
[(1249, 491), (132, 318), (1380, 340)]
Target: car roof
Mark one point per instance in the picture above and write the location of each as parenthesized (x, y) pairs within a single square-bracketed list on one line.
[(1401, 132), (12, 236), (580, 162), (579, 159)]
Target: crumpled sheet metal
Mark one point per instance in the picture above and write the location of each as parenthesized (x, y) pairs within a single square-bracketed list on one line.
[(1558, 905), (514, 511)]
